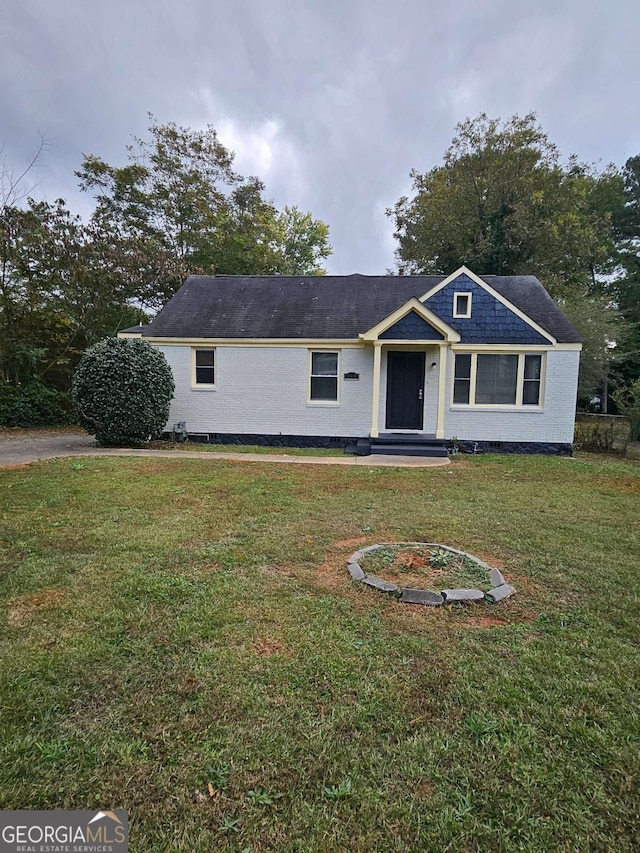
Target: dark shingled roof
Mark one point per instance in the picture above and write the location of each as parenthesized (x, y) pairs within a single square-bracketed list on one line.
[(337, 307)]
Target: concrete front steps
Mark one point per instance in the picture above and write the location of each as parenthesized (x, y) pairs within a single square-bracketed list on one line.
[(402, 444)]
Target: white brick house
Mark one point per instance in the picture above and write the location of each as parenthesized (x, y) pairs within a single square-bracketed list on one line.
[(384, 364)]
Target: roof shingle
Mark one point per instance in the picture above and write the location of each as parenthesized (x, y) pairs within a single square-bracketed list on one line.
[(317, 307)]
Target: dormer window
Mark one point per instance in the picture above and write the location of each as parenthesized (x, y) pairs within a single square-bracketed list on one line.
[(461, 305)]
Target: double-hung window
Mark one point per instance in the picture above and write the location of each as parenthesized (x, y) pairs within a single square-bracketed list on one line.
[(203, 368), (462, 378), (497, 379), (532, 379), (323, 385)]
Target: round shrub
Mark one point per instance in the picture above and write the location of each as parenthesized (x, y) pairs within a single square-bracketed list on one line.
[(121, 391)]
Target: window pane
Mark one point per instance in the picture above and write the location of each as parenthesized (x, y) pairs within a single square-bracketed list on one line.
[(204, 358), (531, 393), (462, 303), (324, 388), (496, 379), (461, 391), (463, 366), (324, 363), (205, 367), (204, 375), (532, 366)]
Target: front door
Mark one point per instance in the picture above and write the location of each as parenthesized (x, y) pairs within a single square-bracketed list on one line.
[(405, 389)]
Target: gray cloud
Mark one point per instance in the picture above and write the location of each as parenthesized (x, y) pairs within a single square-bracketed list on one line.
[(331, 103)]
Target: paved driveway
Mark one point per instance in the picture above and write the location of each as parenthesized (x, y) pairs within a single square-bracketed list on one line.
[(29, 447), (33, 446)]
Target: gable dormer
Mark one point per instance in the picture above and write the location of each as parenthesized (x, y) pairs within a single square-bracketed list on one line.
[(480, 314)]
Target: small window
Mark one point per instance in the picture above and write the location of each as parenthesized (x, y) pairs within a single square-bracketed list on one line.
[(324, 377), (531, 381), (461, 304), (204, 368), (462, 378)]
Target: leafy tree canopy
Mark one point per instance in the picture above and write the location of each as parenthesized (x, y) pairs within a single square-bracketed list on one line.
[(502, 203), (176, 207), (180, 194)]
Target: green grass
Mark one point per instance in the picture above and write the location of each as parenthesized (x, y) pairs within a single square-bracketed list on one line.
[(249, 448), (171, 627)]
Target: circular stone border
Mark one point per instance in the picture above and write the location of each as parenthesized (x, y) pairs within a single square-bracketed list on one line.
[(408, 595)]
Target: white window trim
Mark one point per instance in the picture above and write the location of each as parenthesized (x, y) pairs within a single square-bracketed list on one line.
[(338, 400), (518, 406), (202, 386), (467, 314)]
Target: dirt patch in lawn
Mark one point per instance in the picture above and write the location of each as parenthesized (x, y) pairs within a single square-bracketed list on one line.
[(22, 606), (268, 647), (331, 575), (424, 790), (490, 559), (410, 569), (421, 567), (351, 543)]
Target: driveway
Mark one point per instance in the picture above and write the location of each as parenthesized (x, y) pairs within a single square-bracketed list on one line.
[(33, 446)]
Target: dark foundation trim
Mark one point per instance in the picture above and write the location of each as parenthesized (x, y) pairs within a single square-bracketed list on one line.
[(545, 448), (349, 443), (262, 440)]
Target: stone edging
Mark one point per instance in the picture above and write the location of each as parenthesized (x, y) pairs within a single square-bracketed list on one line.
[(499, 592)]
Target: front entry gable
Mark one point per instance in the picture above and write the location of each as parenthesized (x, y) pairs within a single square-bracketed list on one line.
[(492, 319), (412, 321), (411, 327)]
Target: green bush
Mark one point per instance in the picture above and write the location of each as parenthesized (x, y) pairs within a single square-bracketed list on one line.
[(600, 433), (597, 437), (628, 401), (32, 405), (121, 391)]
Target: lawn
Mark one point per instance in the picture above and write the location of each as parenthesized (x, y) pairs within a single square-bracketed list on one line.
[(248, 448), (181, 639)]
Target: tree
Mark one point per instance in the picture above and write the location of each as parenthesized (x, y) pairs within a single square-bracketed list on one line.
[(122, 390), (601, 328), (17, 185), (180, 198), (63, 286), (628, 401), (625, 285), (177, 207), (503, 204), (304, 243)]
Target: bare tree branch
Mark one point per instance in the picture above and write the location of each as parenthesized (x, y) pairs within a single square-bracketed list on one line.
[(12, 191)]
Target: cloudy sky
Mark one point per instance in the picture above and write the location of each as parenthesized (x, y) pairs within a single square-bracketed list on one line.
[(330, 102)]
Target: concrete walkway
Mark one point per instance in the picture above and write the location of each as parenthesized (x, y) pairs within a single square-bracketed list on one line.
[(35, 446)]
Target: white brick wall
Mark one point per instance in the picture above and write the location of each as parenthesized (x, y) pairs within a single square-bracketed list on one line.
[(263, 390), (554, 423)]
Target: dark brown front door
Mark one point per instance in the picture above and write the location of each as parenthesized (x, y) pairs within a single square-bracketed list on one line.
[(405, 388)]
